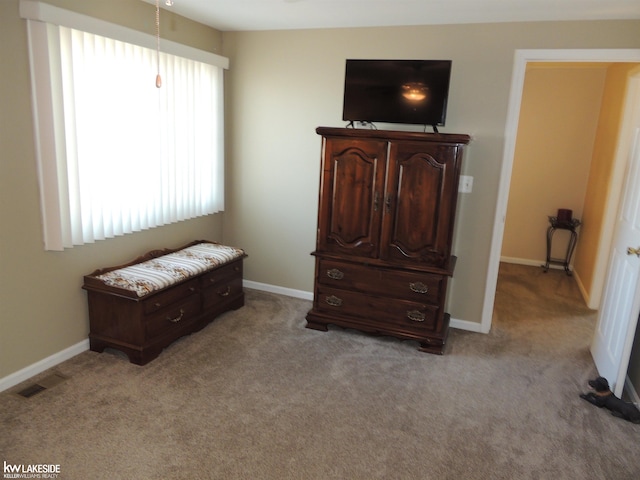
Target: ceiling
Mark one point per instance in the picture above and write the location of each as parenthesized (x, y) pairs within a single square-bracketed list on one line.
[(238, 15)]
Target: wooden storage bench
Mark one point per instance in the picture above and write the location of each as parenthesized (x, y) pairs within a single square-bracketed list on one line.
[(143, 306)]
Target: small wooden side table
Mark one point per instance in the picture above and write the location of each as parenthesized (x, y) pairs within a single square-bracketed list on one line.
[(555, 224)]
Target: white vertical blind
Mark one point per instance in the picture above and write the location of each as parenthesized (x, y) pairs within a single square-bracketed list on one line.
[(127, 156)]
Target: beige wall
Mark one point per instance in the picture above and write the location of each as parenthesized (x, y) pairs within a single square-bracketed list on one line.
[(42, 307), (286, 83), (556, 131)]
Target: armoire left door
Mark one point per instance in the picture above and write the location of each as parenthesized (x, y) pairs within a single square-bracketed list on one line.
[(352, 196)]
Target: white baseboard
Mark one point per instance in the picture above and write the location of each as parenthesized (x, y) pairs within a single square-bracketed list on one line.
[(585, 295), (288, 292), (532, 263), (44, 364), (466, 325), (522, 261)]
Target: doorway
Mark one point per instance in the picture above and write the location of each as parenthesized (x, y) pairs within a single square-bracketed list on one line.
[(561, 127), (522, 57)]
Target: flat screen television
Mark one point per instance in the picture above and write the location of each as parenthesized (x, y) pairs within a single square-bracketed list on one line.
[(397, 91)]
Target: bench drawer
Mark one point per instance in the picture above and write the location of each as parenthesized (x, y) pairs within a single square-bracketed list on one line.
[(222, 291), (173, 317), (222, 274), (164, 299)]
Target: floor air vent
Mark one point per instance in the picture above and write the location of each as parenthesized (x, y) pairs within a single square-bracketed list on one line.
[(42, 385)]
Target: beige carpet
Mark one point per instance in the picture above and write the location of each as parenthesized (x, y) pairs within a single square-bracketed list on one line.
[(256, 395)]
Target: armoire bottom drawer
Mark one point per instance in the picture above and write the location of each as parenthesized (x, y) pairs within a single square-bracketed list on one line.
[(394, 313)]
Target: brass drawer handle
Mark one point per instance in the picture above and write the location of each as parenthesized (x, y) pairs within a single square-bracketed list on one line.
[(225, 292), (418, 287), (335, 274), (334, 301), (178, 318), (416, 316)]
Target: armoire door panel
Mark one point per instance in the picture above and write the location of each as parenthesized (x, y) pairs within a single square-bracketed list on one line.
[(422, 185), (354, 180)]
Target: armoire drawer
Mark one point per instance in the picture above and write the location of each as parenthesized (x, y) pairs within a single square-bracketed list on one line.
[(414, 286), (390, 312)]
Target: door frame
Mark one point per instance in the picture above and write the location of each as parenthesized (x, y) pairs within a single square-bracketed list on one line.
[(521, 58)]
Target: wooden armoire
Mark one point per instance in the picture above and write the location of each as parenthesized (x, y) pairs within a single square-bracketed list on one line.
[(385, 226)]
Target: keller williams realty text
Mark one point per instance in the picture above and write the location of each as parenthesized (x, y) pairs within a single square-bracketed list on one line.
[(31, 471)]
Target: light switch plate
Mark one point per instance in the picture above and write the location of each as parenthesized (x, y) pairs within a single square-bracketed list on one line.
[(466, 184)]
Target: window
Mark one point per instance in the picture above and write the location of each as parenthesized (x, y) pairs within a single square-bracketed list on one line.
[(117, 155)]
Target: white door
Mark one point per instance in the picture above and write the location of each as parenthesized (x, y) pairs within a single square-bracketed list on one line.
[(618, 315)]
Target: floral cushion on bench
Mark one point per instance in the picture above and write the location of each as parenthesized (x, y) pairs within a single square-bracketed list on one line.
[(146, 277)]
